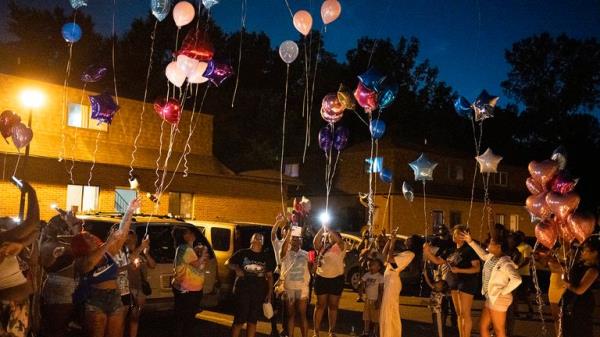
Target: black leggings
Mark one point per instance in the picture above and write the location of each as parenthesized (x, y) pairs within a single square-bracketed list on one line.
[(187, 305)]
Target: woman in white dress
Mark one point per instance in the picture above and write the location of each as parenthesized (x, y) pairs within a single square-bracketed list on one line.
[(389, 321)]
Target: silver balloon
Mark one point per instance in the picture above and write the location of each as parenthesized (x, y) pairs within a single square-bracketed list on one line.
[(488, 161), (160, 8), (560, 155), (78, 3), (209, 3), (288, 51), (423, 168), (407, 191)]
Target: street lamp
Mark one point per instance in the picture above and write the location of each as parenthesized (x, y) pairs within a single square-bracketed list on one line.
[(31, 99)]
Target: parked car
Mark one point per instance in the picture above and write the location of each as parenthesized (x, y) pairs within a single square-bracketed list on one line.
[(162, 249)]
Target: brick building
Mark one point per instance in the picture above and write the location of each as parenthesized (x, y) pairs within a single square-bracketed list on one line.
[(63, 130)]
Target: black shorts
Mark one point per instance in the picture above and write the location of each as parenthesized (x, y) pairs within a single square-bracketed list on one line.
[(248, 304), (329, 286), (467, 284)]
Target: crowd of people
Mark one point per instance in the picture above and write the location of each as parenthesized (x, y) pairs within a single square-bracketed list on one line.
[(97, 287)]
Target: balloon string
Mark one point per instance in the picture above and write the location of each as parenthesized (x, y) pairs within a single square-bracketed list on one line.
[(114, 38), (17, 164), (361, 118), (75, 133), (63, 151), (289, 9), (305, 102), (370, 196), (137, 136), (538, 292), (425, 208), (387, 203), (387, 11), (477, 143), (239, 67), (487, 208), (4, 166), (172, 137), (287, 74), (162, 128), (94, 158), (187, 149)]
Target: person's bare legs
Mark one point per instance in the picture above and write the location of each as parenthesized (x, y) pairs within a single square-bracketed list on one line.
[(302, 305), (250, 329), (115, 326), (318, 313), (333, 303), (236, 329), (466, 302), (95, 323), (484, 322), (291, 321), (457, 308), (555, 309), (499, 322), (134, 320)]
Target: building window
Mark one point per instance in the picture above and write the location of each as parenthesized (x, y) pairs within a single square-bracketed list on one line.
[(79, 116), (501, 179), (499, 218), (181, 204), (455, 218), (219, 238), (83, 198), (514, 222), (437, 217), (292, 170), (123, 197), (455, 172)]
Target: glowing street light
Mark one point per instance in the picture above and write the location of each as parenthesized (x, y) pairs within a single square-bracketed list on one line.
[(32, 98), (324, 218)]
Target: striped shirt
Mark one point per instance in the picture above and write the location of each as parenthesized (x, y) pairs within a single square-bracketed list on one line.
[(487, 272)]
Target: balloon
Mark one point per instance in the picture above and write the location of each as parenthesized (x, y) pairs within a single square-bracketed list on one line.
[(8, 119), (372, 79), (345, 97), (288, 51), (93, 73), (543, 172), (377, 128), (386, 175), (536, 205), (76, 4), (564, 231), (340, 137), (197, 46), (332, 109), (423, 168), (331, 117), (217, 72), (484, 106), (160, 8), (562, 204), (387, 93), (562, 183), (174, 74), (375, 164), (546, 233), (21, 135), (462, 106), (488, 161), (169, 109), (303, 22), (209, 3), (407, 191), (325, 138), (533, 186), (71, 32), (560, 156), (187, 64), (183, 13), (581, 225), (366, 97), (196, 75), (103, 108), (330, 11)]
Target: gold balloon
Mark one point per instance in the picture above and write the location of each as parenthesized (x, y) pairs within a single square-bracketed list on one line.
[(346, 98)]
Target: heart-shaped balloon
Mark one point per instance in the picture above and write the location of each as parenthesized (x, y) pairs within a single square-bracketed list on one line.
[(8, 119), (543, 172), (533, 186), (562, 205), (536, 205), (546, 233), (366, 97), (581, 225), (168, 109), (562, 183), (564, 233), (21, 135)]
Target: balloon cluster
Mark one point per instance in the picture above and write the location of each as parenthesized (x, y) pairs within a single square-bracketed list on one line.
[(483, 106), (11, 126), (553, 203), (330, 11), (333, 137), (375, 90)]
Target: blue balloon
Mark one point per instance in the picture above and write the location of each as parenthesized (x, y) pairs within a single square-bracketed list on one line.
[(377, 128), (387, 93), (372, 79), (386, 175), (375, 164), (71, 32), (461, 105), (160, 8)]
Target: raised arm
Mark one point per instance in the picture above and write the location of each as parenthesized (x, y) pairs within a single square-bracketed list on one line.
[(318, 240), (121, 234), (477, 248), (337, 239), (430, 256), (279, 220), (31, 222), (286, 245)]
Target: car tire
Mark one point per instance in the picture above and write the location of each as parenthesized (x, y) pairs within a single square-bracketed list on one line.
[(354, 278)]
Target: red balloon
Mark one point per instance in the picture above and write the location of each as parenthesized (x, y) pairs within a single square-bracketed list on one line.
[(536, 205), (543, 172), (546, 233), (8, 119), (533, 186), (366, 97), (562, 204), (197, 46), (21, 135), (168, 109), (562, 184), (581, 225)]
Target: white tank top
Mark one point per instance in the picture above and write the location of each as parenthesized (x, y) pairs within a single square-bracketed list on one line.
[(10, 273), (332, 263)]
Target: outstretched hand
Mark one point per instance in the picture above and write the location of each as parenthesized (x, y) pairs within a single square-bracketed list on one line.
[(135, 204)]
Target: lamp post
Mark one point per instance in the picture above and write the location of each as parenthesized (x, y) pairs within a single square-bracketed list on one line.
[(31, 99)]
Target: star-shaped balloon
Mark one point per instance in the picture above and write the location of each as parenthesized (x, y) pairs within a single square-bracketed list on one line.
[(423, 168), (462, 106), (484, 106), (93, 73), (103, 108), (209, 3), (78, 3), (217, 72), (372, 79), (488, 161)]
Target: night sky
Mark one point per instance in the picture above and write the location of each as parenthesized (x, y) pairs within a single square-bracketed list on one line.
[(464, 39)]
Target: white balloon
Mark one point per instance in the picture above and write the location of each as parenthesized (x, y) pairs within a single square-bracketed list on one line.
[(196, 75), (209, 3), (187, 64), (174, 74), (288, 51), (183, 13)]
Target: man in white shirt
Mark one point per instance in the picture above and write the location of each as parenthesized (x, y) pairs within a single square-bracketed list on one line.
[(280, 223)]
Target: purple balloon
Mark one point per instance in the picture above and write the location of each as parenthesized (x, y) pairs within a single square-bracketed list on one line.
[(325, 138), (103, 108), (93, 73), (340, 137), (217, 72)]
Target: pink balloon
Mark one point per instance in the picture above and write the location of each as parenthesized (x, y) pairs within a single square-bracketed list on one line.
[(331, 104), (196, 75), (183, 13), (168, 109), (303, 22), (562, 184), (581, 225), (366, 97), (330, 11), (187, 64), (546, 233), (174, 74)]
